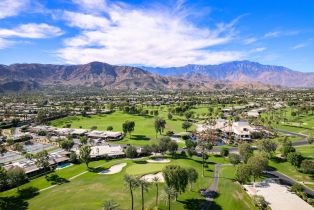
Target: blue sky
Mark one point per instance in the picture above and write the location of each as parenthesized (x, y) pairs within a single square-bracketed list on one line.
[(158, 33)]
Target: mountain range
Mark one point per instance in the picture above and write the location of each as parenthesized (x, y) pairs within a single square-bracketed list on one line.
[(232, 75)]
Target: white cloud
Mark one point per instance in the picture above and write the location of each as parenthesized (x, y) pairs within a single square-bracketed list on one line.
[(272, 34), (250, 40), (4, 43), (32, 30), (11, 8), (126, 35), (298, 46), (85, 21), (259, 49), (92, 6)]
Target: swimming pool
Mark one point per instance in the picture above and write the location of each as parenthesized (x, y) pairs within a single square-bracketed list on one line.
[(63, 165)]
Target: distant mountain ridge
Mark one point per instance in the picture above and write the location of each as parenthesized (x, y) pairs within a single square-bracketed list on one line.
[(233, 75), (242, 71)]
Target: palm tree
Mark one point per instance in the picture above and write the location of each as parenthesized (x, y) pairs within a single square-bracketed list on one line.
[(110, 205), (171, 193), (132, 184), (144, 188), (155, 181)]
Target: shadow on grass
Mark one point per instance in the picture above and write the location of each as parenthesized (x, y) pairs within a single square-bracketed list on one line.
[(215, 206), (140, 161), (56, 179), (18, 202), (139, 137), (97, 170), (193, 204)]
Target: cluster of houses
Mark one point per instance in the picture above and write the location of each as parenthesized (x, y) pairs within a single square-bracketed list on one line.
[(240, 130), (77, 132)]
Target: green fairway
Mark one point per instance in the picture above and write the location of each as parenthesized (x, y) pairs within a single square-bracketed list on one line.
[(91, 189), (306, 150), (230, 194), (144, 132), (302, 123)]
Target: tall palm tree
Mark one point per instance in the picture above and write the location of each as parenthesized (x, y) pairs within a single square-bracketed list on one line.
[(156, 181), (144, 188), (171, 194), (110, 205), (132, 183)]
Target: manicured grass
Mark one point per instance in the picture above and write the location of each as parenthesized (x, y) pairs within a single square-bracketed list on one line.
[(144, 132), (306, 150), (231, 196), (303, 123), (91, 189), (289, 170)]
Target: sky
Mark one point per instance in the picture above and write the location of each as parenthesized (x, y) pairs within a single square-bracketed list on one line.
[(161, 33)]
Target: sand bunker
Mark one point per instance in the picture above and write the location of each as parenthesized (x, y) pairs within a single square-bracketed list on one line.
[(158, 160), (150, 177), (114, 169)]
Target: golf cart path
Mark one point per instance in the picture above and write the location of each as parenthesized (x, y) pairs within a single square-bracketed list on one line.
[(214, 186)]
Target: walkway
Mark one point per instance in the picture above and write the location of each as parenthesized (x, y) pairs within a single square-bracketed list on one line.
[(212, 190)]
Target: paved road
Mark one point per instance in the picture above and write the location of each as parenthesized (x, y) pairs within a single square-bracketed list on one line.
[(212, 189), (291, 133), (290, 181)]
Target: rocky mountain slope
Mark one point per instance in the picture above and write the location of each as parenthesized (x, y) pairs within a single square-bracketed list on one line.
[(102, 75), (242, 71)]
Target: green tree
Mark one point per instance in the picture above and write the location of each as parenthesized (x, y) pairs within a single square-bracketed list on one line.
[(67, 144), (160, 125), (176, 177), (307, 166), (85, 154), (310, 139), (224, 152), (132, 183), (110, 205), (170, 116), (173, 147), (257, 164), (156, 181), (16, 177), (295, 158), (144, 185), (109, 128), (245, 151), (128, 127), (260, 202), (83, 139), (3, 179), (192, 176), (171, 194), (42, 160), (131, 152), (267, 146), (286, 148), (243, 173), (163, 144), (234, 159), (186, 125)]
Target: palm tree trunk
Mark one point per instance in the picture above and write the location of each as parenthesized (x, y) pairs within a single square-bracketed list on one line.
[(169, 202), (131, 191), (142, 188), (156, 194)]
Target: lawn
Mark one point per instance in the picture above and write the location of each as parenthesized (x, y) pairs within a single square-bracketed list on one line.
[(306, 150), (90, 190), (303, 123), (230, 194), (144, 132)]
